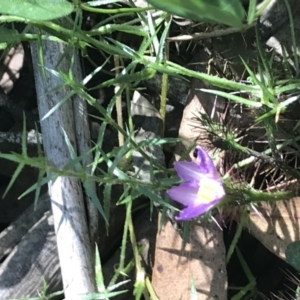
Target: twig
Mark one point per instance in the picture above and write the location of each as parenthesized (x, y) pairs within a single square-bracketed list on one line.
[(206, 35)]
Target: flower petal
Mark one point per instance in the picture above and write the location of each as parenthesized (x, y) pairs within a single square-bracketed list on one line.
[(210, 190), (185, 193), (219, 190), (195, 211), (206, 165), (188, 170), (203, 188)]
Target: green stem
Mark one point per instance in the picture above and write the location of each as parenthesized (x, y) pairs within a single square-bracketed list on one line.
[(114, 10), (248, 196), (140, 272), (237, 234), (123, 246), (150, 289)]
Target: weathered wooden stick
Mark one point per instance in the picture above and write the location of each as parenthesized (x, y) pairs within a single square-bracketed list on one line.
[(28, 248), (67, 198)]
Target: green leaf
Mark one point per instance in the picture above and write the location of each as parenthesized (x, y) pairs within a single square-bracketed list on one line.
[(37, 9), (292, 254), (98, 271), (153, 197), (250, 103), (106, 203), (219, 11), (251, 11), (14, 177), (9, 35)]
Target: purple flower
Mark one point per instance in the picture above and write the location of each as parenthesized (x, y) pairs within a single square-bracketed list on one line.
[(202, 188)]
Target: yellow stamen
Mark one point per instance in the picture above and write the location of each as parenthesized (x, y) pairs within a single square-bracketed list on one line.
[(207, 189)]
